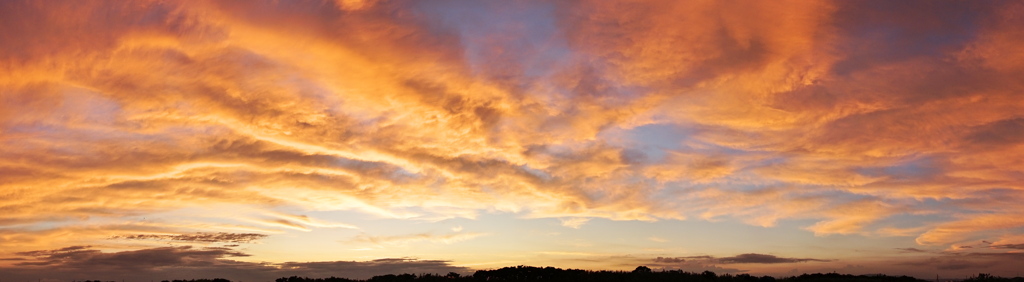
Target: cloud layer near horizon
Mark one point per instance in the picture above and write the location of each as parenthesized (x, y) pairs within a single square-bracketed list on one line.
[(903, 120), (83, 262)]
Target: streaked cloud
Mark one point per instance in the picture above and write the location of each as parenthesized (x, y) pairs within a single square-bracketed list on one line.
[(737, 259), (762, 258), (911, 250), (220, 237)]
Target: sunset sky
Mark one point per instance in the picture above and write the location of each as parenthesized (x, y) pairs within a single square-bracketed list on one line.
[(252, 140)]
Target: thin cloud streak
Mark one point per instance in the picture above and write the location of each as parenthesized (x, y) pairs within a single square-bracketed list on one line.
[(221, 237)]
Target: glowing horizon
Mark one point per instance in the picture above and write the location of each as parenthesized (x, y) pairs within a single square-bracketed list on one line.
[(273, 138)]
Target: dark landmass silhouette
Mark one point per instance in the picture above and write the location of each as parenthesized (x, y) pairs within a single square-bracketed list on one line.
[(641, 273)]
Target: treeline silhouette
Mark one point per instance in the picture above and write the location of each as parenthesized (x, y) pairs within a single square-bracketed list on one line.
[(193, 280), (642, 273), (983, 277)]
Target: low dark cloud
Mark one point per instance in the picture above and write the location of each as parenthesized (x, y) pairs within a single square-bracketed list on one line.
[(684, 263), (1008, 246), (743, 258), (669, 260), (373, 267), (55, 252), (84, 262), (998, 256), (762, 258), (950, 263), (972, 261), (712, 263), (960, 265), (911, 250), (682, 259), (220, 237), (83, 257)]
